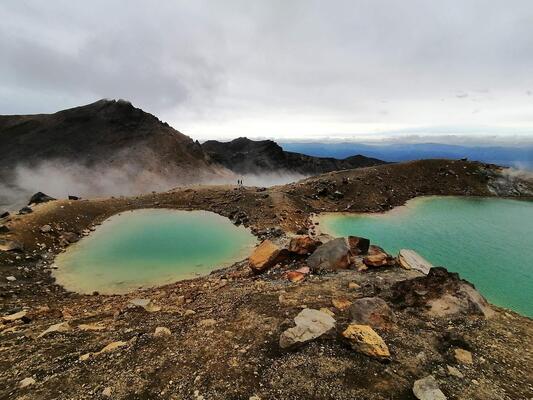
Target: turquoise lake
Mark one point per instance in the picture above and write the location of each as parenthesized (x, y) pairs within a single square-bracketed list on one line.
[(146, 248), (488, 241)]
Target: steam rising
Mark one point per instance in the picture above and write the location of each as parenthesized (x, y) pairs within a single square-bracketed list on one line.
[(60, 179)]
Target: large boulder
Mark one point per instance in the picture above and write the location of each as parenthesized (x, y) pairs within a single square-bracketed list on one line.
[(39, 198), (264, 256), (365, 340), (441, 294), (410, 259), (338, 253), (310, 324), (372, 311), (303, 245)]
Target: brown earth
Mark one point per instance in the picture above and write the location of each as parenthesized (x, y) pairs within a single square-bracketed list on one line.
[(225, 327)]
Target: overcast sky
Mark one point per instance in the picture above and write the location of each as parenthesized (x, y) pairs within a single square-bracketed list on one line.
[(358, 69)]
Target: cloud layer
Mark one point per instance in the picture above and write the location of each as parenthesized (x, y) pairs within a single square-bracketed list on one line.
[(277, 68)]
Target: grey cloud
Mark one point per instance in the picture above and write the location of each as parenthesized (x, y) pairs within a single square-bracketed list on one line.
[(202, 63)]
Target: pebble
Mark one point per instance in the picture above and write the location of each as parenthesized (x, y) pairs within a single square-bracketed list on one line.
[(26, 382)]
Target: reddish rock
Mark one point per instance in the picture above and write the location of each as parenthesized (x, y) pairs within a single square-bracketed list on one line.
[(372, 311), (303, 245), (264, 256), (295, 276), (377, 257)]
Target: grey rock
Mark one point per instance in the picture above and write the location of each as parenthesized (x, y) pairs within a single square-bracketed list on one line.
[(428, 389), (410, 259), (337, 253), (45, 228), (310, 324)]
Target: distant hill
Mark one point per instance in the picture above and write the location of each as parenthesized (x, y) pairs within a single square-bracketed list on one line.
[(512, 156), (243, 156)]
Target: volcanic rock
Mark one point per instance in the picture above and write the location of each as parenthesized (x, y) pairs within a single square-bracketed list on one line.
[(463, 356), (25, 210), (10, 245), (26, 382), (60, 327), (21, 315), (70, 237), (337, 253), (365, 340), (295, 276), (341, 303), (45, 228), (310, 324), (162, 331), (264, 256), (441, 293), (145, 304), (39, 198), (372, 311), (91, 327), (410, 259), (428, 389), (303, 245), (377, 257)]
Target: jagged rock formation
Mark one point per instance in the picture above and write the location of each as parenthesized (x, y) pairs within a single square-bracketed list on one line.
[(243, 156)]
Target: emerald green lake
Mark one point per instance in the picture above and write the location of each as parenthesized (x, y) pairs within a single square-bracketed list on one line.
[(146, 248), (488, 241)]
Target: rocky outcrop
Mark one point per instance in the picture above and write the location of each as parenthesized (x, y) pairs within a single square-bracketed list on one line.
[(310, 324), (441, 293)]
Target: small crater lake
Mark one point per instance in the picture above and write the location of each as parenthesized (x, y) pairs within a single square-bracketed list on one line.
[(489, 241), (145, 248)]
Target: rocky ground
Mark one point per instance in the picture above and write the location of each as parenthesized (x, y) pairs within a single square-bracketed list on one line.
[(366, 326)]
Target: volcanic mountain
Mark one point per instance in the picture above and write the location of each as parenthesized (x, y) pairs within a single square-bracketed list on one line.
[(111, 147), (244, 156), (107, 132)]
